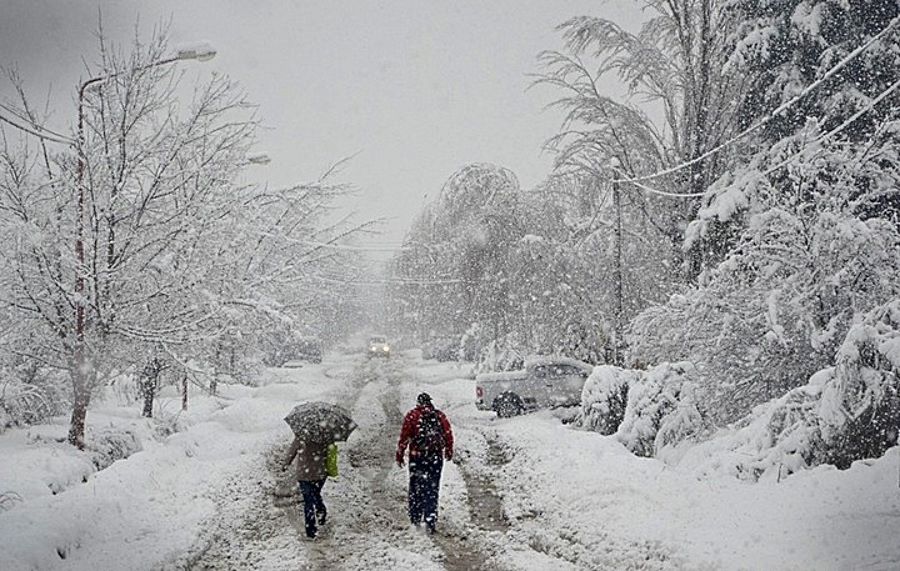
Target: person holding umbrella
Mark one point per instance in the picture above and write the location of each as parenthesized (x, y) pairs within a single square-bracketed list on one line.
[(427, 433), (317, 426)]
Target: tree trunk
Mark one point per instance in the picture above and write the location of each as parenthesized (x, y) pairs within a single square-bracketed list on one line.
[(81, 400), (149, 384), (147, 392), (184, 392), (618, 333)]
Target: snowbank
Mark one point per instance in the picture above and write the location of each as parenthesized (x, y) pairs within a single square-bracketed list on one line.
[(587, 499), (844, 413), (148, 509)]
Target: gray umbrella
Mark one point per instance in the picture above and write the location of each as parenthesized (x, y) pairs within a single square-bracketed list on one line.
[(320, 422)]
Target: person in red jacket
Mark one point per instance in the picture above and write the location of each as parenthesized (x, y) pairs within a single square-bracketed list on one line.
[(427, 433)]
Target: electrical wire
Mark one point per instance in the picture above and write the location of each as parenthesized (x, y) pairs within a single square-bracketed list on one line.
[(779, 110), (871, 105), (22, 117), (894, 86), (36, 133), (389, 282)]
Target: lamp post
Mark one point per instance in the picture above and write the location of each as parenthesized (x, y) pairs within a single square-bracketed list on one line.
[(199, 52), (259, 159)]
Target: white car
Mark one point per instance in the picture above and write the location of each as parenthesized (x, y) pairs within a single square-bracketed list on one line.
[(544, 382)]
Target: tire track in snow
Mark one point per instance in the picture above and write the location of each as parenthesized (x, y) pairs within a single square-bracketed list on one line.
[(259, 523), (366, 528)]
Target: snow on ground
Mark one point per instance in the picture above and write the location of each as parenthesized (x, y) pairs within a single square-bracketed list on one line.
[(584, 498), (527, 493), (147, 509)]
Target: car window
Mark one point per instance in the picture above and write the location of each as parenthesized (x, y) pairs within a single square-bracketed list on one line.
[(565, 371)]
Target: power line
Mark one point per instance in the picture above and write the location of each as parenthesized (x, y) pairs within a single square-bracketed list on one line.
[(779, 110), (389, 281), (894, 86), (22, 117), (34, 132), (665, 193)]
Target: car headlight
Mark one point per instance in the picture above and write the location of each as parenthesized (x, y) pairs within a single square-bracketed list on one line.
[(386, 348)]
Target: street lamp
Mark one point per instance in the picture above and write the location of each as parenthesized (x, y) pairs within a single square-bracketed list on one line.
[(201, 51), (259, 159)]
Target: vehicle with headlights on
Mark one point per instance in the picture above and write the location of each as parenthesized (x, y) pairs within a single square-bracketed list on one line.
[(378, 347)]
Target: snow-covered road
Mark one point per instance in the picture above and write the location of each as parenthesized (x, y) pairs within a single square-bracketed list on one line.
[(526, 493), (368, 527)]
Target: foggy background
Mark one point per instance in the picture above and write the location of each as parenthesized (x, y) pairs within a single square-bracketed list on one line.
[(413, 89)]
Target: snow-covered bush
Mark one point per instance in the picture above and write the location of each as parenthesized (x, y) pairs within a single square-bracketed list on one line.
[(775, 440), (108, 445), (20, 404), (604, 397), (843, 414), (661, 409), (500, 355), (28, 396), (861, 406), (646, 410)]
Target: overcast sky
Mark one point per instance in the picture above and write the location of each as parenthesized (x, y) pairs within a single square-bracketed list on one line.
[(417, 88)]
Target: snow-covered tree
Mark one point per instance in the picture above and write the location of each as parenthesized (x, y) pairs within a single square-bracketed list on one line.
[(140, 240), (809, 209), (677, 64)]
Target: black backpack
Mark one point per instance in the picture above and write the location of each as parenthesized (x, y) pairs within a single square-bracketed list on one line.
[(429, 437)]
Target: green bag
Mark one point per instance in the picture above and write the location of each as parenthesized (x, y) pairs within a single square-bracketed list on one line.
[(331, 467)]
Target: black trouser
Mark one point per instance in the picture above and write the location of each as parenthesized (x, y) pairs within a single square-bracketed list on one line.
[(312, 504), (424, 485)]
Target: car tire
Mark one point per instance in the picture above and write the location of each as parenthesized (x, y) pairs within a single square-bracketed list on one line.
[(508, 405)]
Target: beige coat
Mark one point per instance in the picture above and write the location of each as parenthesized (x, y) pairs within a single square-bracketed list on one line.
[(310, 459)]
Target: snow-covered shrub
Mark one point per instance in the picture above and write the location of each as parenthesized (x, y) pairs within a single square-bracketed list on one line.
[(604, 397), (861, 406), (775, 440), (661, 409), (109, 444), (20, 404), (843, 414), (646, 410), (30, 396), (685, 422)]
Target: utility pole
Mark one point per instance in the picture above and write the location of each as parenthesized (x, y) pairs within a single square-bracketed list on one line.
[(617, 277)]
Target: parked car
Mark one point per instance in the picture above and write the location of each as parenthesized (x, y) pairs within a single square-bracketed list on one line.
[(305, 350), (378, 347), (543, 383)]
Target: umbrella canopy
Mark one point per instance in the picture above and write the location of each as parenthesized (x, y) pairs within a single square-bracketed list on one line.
[(320, 422)]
